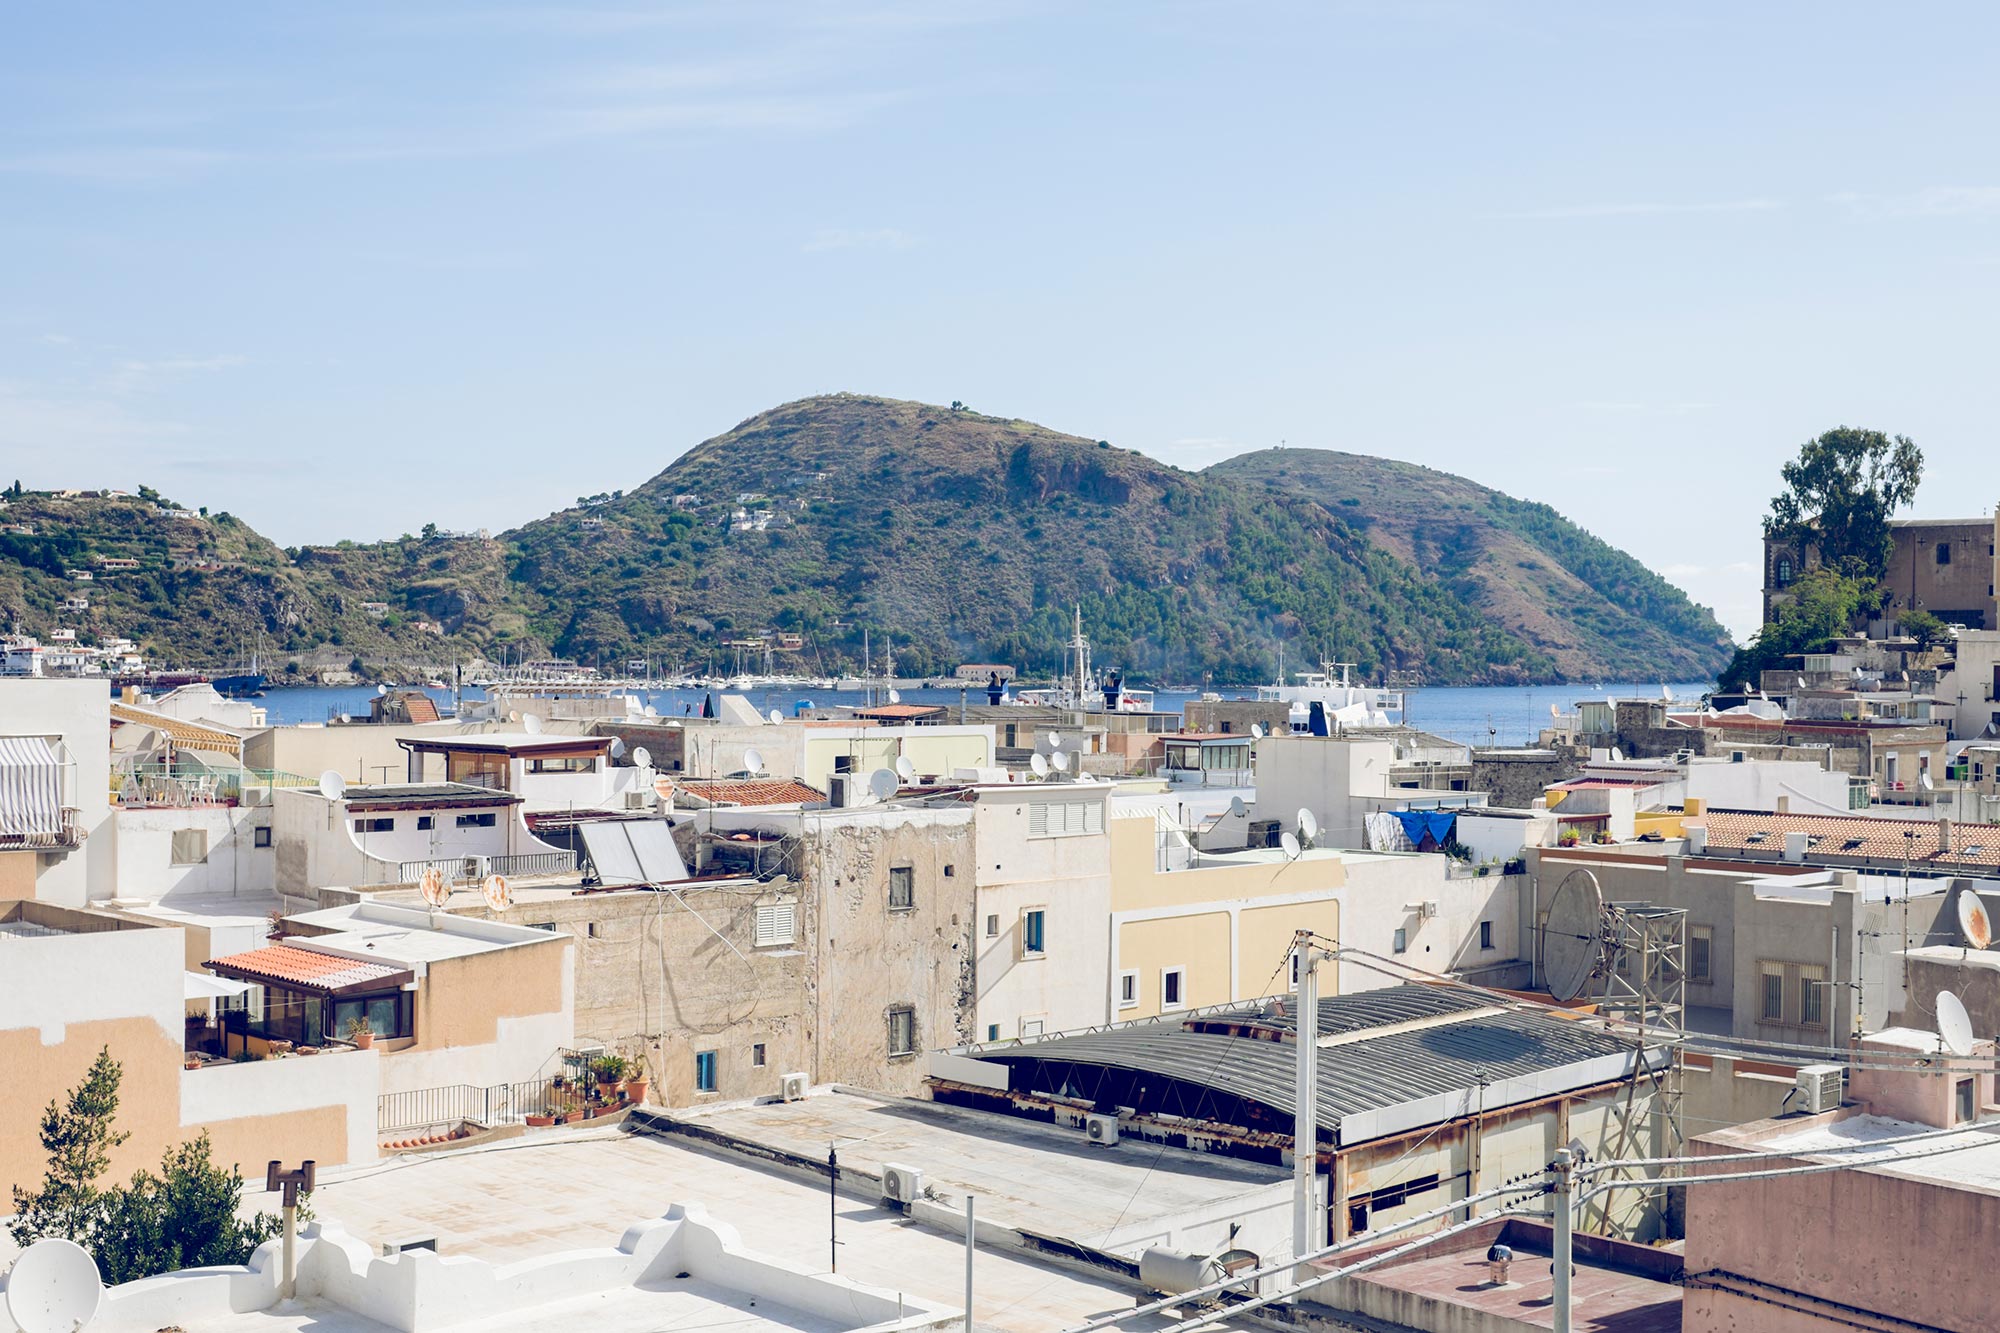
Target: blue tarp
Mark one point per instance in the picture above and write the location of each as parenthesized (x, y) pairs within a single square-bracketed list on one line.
[(1437, 824)]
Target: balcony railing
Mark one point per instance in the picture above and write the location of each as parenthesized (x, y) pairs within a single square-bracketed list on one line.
[(67, 832), (471, 869), (532, 863)]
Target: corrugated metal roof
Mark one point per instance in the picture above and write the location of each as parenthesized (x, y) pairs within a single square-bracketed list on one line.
[(1452, 1048)]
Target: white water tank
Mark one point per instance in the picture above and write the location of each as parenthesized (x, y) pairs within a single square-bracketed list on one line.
[(1795, 846)]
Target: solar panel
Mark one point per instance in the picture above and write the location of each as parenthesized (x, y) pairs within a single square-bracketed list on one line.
[(633, 851)]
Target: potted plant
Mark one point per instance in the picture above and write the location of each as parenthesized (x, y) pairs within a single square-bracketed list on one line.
[(610, 1071), (360, 1033), (637, 1083)]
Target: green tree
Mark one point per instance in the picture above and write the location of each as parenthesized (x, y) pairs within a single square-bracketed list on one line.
[(1924, 627), (185, 1217), (1823, 605), (1839, 493), (78, 1136)]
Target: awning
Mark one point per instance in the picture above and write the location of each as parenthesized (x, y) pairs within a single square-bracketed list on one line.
[(309, 970), (197, 986), (30, 787)]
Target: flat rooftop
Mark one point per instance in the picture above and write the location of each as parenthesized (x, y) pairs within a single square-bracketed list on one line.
[(568, 1189), (1975, 1163), (1603, 1299), (407, 935)]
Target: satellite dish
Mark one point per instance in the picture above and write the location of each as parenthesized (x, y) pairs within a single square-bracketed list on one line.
[(1666, 693), (532, 724), (895, 696), (753, 762), (381, 689), (513, 715), (1289, 841), (1059, 761), (1039, 766), (1924, 781), (1571, 934), (1554, 711), (882, 782), (435, 888), (776, 717), (1973, 922), (642, 757), (332, 785), (652, 711), (346, 717), (1256, 731), (1617, 755), (1954, 1025), (904, 768), (1236, 807), (498, 896), (1308, 826), (54, 1288), (1055, 740), (617, 747)]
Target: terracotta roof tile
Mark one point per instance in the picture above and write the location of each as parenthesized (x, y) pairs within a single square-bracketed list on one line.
[(288, 966), (746, 791), (900, 710), (1855, 837)]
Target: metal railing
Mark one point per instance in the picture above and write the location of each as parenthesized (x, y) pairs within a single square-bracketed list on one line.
[(453, 868), (456, 1103), (471, 869), (532, 863), (68, 832)]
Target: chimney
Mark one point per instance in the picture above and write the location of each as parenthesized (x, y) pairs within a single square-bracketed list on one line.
[(1795, 846), (1944, 835), (1784, 805)]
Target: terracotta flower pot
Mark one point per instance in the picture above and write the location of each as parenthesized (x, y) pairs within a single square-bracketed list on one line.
[(636, 1090), (540, 1121), (363, 1040)]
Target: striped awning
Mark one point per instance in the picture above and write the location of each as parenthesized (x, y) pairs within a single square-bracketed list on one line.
[(184, 734), (30, 787)]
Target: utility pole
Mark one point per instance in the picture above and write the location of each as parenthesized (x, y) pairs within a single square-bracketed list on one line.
[(832, 1209), (1308, 1219), (1561, 1192), (969, 1244)]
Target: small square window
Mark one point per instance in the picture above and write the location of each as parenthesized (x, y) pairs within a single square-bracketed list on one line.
[(590, 929), (757, 1055), (1032, 937), (1944, 553), (947, 872), (189, 846), (992, 926), (1128, 990), (902, 888), (426, 822), (261, 836), (992, 1032), (1173, 987), (704, 1071), (902, 1030), (1486, 934), (1401, 943), (374, 826)]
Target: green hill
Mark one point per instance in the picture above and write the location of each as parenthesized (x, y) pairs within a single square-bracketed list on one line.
[(1593, 609), (952, 535)]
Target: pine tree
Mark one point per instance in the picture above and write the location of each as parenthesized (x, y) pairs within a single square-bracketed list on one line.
[(78, 1137)]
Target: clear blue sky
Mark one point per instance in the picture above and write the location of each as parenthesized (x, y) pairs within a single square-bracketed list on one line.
[(344, 269)]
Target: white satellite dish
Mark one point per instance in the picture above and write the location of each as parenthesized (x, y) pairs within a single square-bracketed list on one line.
[(1256, 731), (381, 689), (776, 717), (753, 762), (1924, 781), (1059, 761), (652, 711), (532, 724), (1308, 826), (882, 783), (1236, 807), (435, 888), (895, 696), (346, 717), (1572, 935), (332, 785), (1038, 765), (1954, 1024), (1666, 693), (1617, 755), (642, 757), (1055, 740), (1289, 841), (1554, 711), (1973, 922), (54, 1287), (617, 747), (498, 896), (904, 768)]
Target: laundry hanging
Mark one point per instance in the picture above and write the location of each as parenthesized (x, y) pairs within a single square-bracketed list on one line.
[(1427, 830)]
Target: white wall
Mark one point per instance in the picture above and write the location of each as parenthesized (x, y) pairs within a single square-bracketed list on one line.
[(1501, 837), (1757, 785), (51, 981), (1069, 877), (1382, 885), (235, 867), (335, 1077), (79, 712), (1329, 777)]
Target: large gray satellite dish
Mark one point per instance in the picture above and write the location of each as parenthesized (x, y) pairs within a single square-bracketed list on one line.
[(54, 1287), (1236, 807), (1954, 1024), (1572, 935), (332, 785), (882, 783)]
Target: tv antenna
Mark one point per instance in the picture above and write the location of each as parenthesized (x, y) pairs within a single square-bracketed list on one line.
[(1055, 740), (498, 896), (617, 747), (1059, 761), (1288, 842), (1256, 731), (54, 1287), (776, 717), (1236, 807)]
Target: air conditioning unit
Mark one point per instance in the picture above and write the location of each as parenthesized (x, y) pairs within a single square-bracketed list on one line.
[(1101, 1130), (1428, 910), (901, 1184), (1818, 1088), (791, 1087), (637, 800)]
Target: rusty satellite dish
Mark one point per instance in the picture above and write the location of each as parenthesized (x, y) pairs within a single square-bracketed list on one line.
[(1572, 935)]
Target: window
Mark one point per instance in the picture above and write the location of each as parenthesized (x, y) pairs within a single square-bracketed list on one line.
[(777, 923), (190, 846), (1401, 942), (425, 823), (1033, 1027), (992, 925), (1012, 737), (902, 888), (1128, 990), (1065, 819), (590, 930), (483, 820), (579, 764), (947, 872), (1812, 995), (704, 1071), (1701, 949), (843, 763), (387, 1015), (1032, 938), (757, 1055), (1394, 1196), (902, 1030), (1486, 934), (374, 826), (992, 1032), (1784, 571), (1965, 1106), (1772, 979), (261, 836), (1944, 553), (1173, 987)]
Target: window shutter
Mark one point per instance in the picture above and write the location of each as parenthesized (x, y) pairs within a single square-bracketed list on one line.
[(1038, 819), (775, 922)]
